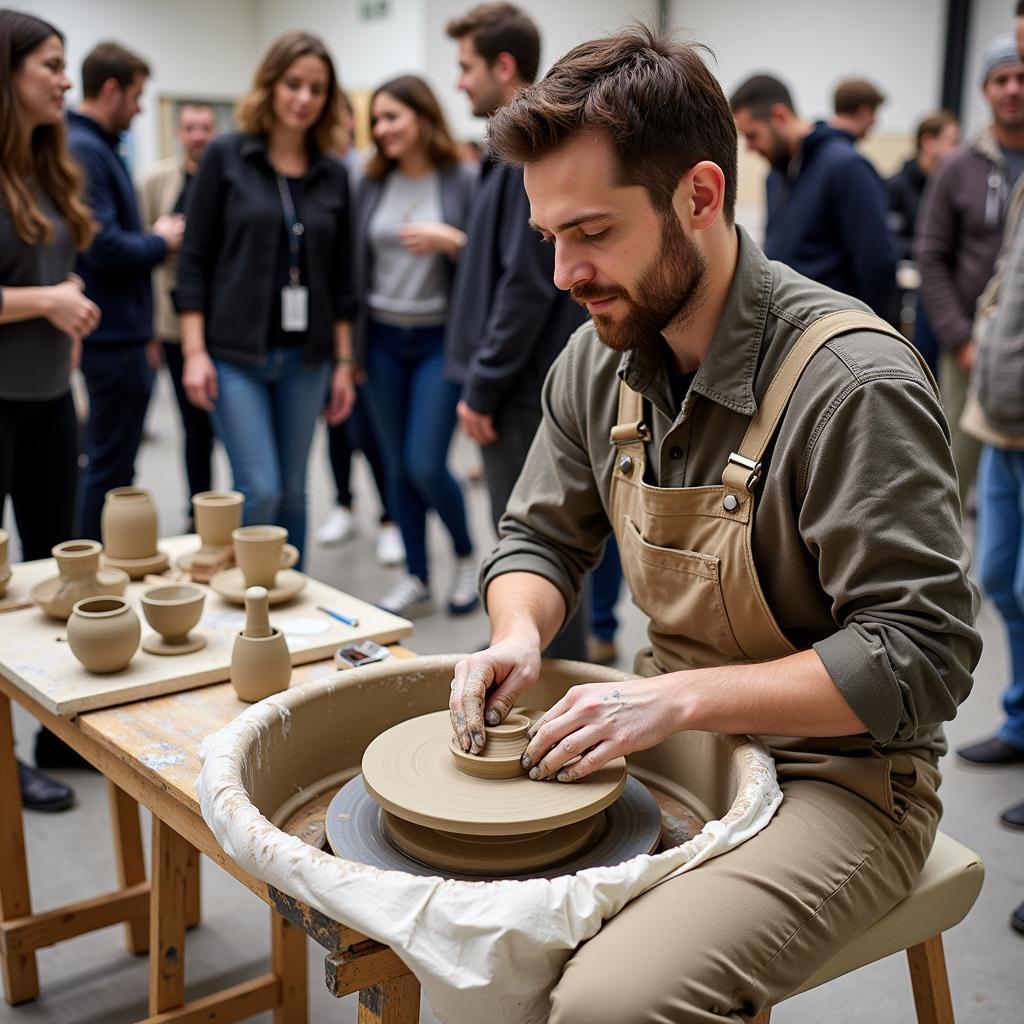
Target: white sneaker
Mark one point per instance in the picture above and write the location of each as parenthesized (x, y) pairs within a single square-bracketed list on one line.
[(337, 527), (464, 596), (408, 598), (390, 549)]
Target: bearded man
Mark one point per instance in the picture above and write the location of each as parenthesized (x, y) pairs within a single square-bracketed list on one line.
[(774, 464)]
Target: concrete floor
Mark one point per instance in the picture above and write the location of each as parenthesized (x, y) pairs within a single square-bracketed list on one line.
[(93, 980)]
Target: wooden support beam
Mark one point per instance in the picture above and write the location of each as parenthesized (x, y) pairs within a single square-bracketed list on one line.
[(231, 1004), (361, 966), (319, 927), (20, 977), (130, 861), (167, 920), (193, 910), (24, 934), (392, 1002), (288, 962), (931, 983)]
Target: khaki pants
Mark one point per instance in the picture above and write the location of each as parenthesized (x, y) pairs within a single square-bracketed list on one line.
[(966, 449), (746, 929)]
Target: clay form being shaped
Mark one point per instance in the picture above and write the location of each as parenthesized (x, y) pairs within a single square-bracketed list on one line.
[(78, 562), (261, 552), (103, 633), (502, 752), (260, 661), (128, 525), (172, 612), (216, 515), (5, 568)]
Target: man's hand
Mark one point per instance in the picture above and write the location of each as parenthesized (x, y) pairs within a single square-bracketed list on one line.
[(596, 722), (171, 228), (964, 356), (508, 669), (343, 395), (475, 425)]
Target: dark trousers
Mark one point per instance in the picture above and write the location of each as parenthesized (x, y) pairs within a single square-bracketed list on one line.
[(606, 580), (503, 462), (197, 426), (357, 434), (119, 381), (39, 470)]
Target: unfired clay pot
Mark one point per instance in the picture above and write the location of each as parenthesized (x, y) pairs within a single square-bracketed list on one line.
[(5, 569), (217, 513), (172, 612), (260, 661), (260, 551), (128, 524), (78, 562), (103, 633)]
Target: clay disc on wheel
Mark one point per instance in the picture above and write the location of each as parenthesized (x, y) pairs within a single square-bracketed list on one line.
[(409, 770)]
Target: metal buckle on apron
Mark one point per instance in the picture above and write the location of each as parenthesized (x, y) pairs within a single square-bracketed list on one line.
[(748, 464), (630, 433)]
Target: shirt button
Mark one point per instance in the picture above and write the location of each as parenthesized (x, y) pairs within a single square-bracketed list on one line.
[(626, 465), (730, 503), (676, 453)]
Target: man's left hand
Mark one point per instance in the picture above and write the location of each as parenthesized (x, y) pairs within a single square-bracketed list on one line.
[(476, 425), (597, 722)]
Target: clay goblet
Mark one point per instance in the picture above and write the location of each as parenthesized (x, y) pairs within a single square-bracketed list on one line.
[(260, 551), (172, 612), (217, 514), (103, 633)]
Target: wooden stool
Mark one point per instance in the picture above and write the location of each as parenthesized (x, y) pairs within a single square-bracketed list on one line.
[(943, 894)]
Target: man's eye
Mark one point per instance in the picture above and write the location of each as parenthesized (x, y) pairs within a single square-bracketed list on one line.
[(597, 236)]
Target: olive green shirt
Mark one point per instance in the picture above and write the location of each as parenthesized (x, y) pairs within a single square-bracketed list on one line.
[(857, 534)]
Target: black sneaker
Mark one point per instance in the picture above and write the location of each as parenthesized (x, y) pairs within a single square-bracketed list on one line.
[(992, 753), (1013, 817), (1017, 919), (41, 793)]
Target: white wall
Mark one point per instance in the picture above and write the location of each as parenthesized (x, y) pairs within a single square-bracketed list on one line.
[(194, 47)]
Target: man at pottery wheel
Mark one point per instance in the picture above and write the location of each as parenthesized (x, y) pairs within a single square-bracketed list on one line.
[(777, 473)]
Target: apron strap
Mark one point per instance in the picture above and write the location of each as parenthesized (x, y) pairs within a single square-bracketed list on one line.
[(744, 467), (630, 427)]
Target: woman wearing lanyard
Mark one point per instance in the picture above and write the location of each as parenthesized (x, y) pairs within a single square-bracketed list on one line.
[(264, 281)]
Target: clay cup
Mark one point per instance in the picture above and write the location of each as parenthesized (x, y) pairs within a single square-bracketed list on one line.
[(260, 551), (128, 524), (217, 514), (5, 569), (173, 611), (103, 633)]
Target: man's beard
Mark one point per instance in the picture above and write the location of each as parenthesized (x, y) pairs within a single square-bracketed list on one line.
[(667, 293), (780, 156)]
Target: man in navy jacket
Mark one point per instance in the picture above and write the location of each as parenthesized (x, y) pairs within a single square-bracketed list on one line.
[(116, 269), (826, 203)]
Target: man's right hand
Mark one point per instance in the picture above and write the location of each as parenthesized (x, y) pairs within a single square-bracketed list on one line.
[(70, 311), (171, 228), (507, 669), (199, 379)]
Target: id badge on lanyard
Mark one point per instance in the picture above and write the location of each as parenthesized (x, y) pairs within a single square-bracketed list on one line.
[(294, 295)]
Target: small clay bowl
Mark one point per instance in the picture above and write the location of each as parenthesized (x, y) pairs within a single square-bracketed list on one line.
[(172, 612), (103, 633)]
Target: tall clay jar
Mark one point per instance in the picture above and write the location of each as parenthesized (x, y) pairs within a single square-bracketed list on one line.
[(103, 633), (128, 524)]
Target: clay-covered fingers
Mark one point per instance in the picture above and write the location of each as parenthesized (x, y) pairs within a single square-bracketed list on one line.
[(571, 749), (466, 705)]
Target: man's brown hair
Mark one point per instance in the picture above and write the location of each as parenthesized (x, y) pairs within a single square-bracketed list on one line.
[(110, 60), (855, 93), (501, 28), (652, 96), (934, 125)]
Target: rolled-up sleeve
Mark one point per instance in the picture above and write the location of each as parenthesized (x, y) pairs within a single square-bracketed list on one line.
[(555, 524), (880, 514)]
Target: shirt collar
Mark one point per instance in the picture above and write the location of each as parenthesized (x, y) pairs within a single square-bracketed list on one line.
[(726, 375), (112, 139), (253, 145)]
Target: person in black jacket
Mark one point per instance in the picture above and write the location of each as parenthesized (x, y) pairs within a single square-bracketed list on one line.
[(508, 322), (265, 286)]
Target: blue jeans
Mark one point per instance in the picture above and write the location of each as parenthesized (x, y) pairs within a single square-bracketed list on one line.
[(414, 410), (264, 416), (605, 581), (1001, 567)]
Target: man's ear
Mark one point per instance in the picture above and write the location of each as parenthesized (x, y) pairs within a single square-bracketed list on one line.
[(700, 195), (110, 91), (505, 67)]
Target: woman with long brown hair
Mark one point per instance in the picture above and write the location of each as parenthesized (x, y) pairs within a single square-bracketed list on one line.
[(265, 280), (413, 203), (43, 311)]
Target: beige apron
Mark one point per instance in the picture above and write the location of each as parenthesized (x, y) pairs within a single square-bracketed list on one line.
[(687, 557)]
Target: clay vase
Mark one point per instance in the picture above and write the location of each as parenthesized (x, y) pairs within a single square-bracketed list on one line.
[(260, 661), (172, 612), (5, 569), (78, 562), (217, 514), (103, 633), (260, 551), (128, 524)]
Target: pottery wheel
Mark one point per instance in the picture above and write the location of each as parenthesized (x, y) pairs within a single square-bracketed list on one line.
[(230, 584), (359, 830)]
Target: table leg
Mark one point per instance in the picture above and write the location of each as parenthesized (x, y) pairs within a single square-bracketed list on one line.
[(391, 1002), (167, 912), (21, 980), (131, 864), (192, 891), (288, 963)]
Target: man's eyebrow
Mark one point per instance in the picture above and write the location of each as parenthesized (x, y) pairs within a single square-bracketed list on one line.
[(582, 218)]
